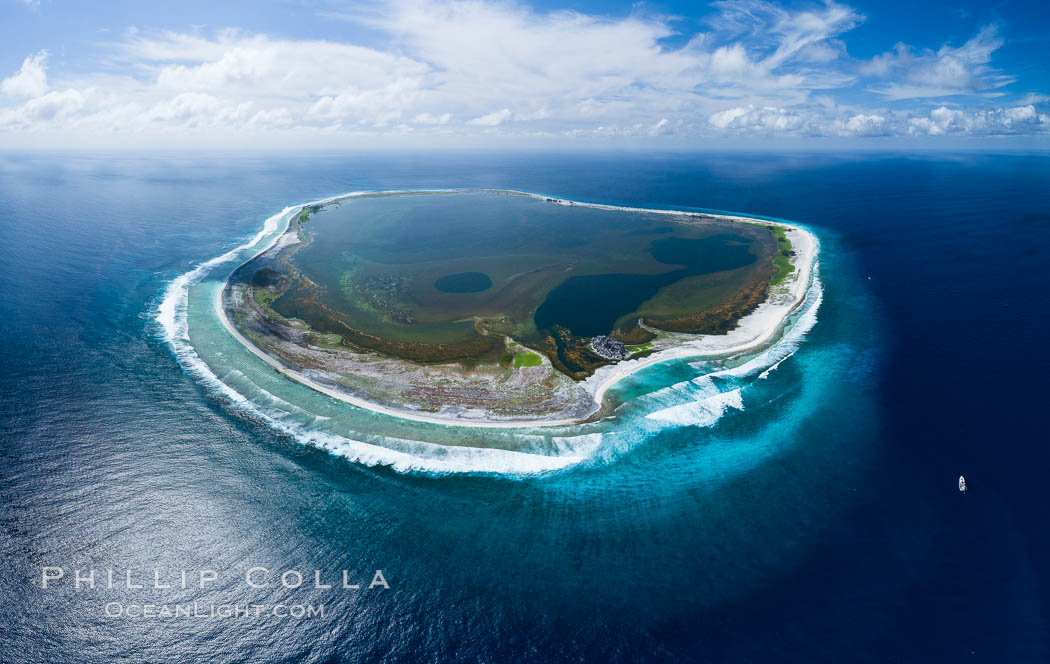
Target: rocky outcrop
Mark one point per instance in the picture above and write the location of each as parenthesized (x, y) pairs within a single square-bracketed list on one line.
[(609, 348)]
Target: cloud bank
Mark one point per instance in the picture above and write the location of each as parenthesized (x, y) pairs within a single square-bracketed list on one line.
[(476, 68)]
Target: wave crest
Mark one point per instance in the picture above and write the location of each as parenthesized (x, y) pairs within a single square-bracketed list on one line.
[(697, 402)]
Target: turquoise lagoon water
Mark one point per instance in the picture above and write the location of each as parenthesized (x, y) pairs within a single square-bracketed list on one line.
[(662, 397), (798, 506)]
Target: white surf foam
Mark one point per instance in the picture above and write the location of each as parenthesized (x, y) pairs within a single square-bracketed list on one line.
[(171, 312), (400, 454), (704, 412), (709, 403), (418, 456)]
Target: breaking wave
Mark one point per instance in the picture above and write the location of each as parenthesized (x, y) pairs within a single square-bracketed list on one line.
[(705, 399), (398, 454), (701, 401)]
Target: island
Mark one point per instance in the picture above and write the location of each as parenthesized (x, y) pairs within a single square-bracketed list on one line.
[(505, 308)]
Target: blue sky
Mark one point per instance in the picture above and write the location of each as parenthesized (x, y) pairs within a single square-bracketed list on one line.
[(477, 72)]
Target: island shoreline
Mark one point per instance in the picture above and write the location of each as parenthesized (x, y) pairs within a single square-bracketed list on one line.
[(606, 377)]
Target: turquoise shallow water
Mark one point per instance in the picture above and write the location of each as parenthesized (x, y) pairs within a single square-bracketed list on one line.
[(807, 515), (661, 400)]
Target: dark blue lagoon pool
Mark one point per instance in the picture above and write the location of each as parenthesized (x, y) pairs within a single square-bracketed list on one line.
[(464, 282)]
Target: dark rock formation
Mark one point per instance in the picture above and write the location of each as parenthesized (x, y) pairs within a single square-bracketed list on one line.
[(609, 348)]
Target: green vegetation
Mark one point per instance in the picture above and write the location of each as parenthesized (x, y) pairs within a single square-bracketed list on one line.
[(264, 296), (304, 215), (640, 347), (380, 278), (782, 260), (640, 350), (326, 340), (527, 360), (381, 286)]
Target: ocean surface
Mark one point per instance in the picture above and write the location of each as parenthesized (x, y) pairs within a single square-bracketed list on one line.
[(799, 505)]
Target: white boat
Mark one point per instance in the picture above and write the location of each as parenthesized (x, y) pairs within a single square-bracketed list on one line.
[(962, 484)]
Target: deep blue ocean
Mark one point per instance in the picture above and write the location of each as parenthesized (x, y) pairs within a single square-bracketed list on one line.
[(817, 521)]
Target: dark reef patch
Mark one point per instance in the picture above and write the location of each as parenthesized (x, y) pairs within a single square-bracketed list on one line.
[(464, 282)]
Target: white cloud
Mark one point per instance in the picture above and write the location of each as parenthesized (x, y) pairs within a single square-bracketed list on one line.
[(54, 105), (762, 120), (837, 121), (491, 119), (470, 67), (1015, 119), (44, 110), (945, 72), (863, 124), (783, 34), (259, 64), (378, 106), (30, 80), (194, 110), (773, 48), (1034, 98), (278, 118), (661, 127), (429, 119), (570, 68)]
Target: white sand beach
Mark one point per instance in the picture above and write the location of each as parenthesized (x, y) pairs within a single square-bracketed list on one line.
[(752, 333)]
